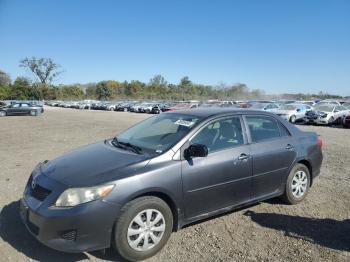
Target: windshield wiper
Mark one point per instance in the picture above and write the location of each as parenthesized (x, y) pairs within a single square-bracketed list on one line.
[(135, 148), (116, 143)]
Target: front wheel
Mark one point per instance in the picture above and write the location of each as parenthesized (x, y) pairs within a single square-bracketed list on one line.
[(297, 185), (33, 112), (293, 119), (143, 228)]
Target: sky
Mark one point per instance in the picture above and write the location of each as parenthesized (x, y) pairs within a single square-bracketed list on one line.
[(279, 46)]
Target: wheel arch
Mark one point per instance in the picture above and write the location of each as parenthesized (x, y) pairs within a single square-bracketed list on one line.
[(307, 163), (168, 200)]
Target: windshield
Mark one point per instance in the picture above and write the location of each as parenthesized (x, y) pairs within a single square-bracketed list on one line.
[(159, 133), (324, 108), (288, 107)]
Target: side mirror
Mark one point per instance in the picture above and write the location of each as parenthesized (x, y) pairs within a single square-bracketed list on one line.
[(336, 111), (298, 110), (196, 150)]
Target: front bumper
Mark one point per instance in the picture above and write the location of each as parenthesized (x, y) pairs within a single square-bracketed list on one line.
[(321, 121), (85, 227)]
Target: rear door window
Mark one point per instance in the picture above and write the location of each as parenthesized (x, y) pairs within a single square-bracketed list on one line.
[(262, 128)]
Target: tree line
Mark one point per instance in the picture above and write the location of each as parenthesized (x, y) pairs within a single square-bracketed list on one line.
[(45, 70)]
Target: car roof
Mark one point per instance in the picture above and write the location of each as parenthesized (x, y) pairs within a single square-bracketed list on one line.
[(208, 112)]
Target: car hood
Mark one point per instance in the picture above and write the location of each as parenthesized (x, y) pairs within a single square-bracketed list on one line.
[(93, 164)]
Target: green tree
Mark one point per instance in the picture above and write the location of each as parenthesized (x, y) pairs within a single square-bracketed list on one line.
[(102, 91), (20, 90), (5, 92)]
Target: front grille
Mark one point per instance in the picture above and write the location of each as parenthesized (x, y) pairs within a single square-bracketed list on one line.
[(38, 192), (69, 235)]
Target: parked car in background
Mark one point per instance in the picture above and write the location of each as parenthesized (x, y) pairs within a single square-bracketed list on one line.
[(346, 121), (21, 109), (306, 102), (347, 105), (228, 105), (284, 102), (292, 112), (3, 104), (147, 107), (159, 108), (180, 106), (126, 107), (327, 114), (264, 106), (171, 170), (329, 102)]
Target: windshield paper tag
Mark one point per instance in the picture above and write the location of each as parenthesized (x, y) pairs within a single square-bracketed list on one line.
[(181, 122)]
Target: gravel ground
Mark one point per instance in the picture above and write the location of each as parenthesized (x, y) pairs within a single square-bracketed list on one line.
[(316, 230)]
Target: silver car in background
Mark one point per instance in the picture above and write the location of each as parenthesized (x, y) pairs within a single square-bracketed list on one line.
[(331, 114), (292, 112)]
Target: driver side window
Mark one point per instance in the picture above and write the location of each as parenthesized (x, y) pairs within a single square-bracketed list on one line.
[(220, 135)]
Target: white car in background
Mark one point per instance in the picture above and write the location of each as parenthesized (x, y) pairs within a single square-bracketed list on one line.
[(328, 102), (331, 114), (306, 102), (292, 112)]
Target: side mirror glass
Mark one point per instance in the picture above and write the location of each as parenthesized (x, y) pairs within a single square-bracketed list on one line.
[(196, 150)]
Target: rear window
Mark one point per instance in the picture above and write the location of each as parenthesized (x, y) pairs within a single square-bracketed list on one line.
[(262, 128)]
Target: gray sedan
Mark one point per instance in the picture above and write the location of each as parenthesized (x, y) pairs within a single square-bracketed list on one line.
[(21, 109), (133, 190)]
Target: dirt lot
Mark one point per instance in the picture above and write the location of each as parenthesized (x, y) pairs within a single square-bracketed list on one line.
[(316, 230)]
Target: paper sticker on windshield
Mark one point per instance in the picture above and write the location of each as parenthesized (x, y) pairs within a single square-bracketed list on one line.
[(181, 122)]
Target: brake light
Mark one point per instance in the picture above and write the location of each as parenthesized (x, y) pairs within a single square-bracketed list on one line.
[(320, 142)]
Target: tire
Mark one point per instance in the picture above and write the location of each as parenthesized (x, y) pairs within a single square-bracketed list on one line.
[(299, 176), (125, 224), (2, 113), (33, 112), (292, 119)]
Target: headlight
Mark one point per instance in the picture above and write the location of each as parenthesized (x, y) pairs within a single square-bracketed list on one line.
[(75, 196)]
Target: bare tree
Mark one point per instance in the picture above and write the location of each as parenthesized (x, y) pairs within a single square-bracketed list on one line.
[(45, 69)]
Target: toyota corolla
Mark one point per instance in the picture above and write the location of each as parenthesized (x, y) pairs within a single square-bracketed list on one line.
[(131, 191)]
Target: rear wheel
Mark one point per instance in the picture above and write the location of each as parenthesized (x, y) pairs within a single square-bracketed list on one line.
[(297, 185), (2, 113), (143, 228)]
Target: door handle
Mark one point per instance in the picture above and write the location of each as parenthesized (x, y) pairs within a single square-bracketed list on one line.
[(243, 156), (289, 147)]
